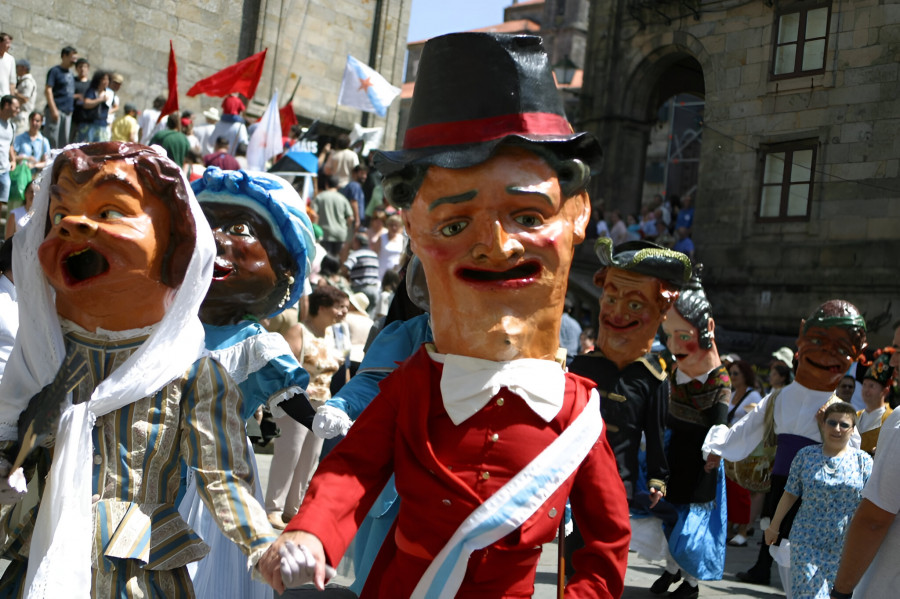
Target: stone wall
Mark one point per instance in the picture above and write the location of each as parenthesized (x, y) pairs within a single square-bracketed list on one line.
[(307, 38), (764, 276), (316, 37)]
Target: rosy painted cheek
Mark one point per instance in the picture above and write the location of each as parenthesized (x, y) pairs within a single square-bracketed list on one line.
[(644, 316), (442, 252), (549, 236)]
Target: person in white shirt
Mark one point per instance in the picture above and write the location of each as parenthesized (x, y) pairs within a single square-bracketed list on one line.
[(9, 310), (25, 92), (7, 65), (112, 96), (204, 131), (150, 122)]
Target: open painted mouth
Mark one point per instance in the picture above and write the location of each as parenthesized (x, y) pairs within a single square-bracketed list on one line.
[(84, 264), (222, 270), (836, 369), (621, 327), (680, 356), (524, 273)]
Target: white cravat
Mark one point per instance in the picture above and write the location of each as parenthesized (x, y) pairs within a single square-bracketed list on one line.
[(681, 378), (467, 384)]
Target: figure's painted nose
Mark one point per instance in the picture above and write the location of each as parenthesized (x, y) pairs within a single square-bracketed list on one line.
[(77, 226), (495, 243)]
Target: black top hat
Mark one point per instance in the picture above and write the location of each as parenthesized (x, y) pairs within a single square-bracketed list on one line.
[(646, 258), (475, 91)]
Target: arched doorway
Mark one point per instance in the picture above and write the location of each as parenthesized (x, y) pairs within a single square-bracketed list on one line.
[(626, 106), (643, 114), (676, 102)]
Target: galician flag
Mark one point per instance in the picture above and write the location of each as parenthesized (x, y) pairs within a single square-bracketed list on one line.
[(266, 139), (365, 89)]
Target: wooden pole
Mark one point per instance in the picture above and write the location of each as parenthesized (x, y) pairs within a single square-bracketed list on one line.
[(561, 559)]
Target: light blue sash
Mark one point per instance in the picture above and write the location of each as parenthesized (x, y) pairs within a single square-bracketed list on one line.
[(513, 504)]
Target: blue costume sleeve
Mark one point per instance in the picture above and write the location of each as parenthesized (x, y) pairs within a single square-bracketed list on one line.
[(398, 341), (281, 376)]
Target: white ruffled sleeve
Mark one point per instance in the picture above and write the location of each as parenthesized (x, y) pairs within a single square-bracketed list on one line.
[(737, 442)]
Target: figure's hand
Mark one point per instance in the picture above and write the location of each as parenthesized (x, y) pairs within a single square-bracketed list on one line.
[(655, 496), (771, 535), (301, 566), (712, 462), (12, 487), (820, 416), (330, 422)]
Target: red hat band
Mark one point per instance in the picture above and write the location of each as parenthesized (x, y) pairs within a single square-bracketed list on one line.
[(486, 129)]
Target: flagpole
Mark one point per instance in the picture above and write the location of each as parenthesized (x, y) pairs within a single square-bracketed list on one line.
[(296, 87), (297, 42), (334, 116), (277, 45)]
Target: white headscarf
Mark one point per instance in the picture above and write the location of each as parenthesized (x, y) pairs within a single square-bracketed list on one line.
[(60, 557)]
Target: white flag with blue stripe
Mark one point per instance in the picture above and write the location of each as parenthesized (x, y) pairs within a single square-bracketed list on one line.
[(365, 89)]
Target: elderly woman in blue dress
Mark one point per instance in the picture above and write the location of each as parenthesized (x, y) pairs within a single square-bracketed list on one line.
[(830, 478)]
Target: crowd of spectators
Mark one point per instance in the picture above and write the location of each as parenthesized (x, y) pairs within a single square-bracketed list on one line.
[(667, 221)]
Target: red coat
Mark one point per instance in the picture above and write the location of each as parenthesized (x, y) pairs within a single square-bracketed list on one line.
[(444, 472)]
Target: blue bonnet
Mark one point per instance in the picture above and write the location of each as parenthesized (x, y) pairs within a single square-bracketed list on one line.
[(277, 202)]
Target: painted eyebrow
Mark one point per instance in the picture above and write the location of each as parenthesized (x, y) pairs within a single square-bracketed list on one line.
[(55, 189), (112, 178), (457, 199), (528, 191)]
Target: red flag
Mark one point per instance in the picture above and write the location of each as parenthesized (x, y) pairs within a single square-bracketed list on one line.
[(172, 103), (241, 77), (288, 118)]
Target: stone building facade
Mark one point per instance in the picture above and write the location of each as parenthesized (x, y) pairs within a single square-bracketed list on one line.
[(307, 40), (798, 197)]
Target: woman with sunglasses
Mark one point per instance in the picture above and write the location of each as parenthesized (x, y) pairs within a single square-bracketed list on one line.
[(830, 478)]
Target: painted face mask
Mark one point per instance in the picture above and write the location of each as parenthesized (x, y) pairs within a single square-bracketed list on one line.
[(830, 340), (105, 248), (247, 257), (630, 315), (496, 243)]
